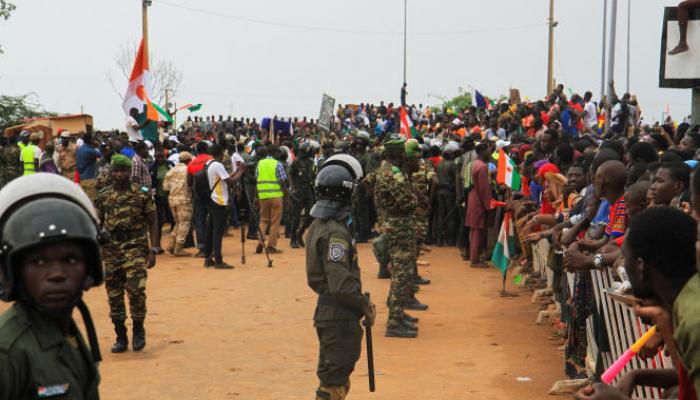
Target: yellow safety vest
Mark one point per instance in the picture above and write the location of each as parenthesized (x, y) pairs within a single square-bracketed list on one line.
[(27, 156), (268, 185)]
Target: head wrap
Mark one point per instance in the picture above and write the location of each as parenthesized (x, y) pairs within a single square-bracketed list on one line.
[(34, 136), (545, 170), (120, 160)]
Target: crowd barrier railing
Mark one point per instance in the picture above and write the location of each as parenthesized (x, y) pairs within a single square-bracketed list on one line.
[(622, 327)]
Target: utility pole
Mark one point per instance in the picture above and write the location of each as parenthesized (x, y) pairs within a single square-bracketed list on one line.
[(629, 35), (605, 37), (611, 61), (550, 66)]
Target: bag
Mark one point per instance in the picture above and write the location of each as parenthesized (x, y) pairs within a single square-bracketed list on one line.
[(201, 184)]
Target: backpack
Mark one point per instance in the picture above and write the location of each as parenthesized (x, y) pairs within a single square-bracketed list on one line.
[(201, 183)]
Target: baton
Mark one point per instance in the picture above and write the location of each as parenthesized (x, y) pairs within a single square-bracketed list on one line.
[(242, 242), (370, 352)]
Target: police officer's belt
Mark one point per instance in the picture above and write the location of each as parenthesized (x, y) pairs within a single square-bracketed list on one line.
[(125, 236)]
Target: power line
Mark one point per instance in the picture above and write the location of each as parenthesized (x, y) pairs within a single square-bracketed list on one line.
[(343, 31)]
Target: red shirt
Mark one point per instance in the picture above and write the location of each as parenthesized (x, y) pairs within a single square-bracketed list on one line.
[(198, 163), (436, 161), (617, 223)]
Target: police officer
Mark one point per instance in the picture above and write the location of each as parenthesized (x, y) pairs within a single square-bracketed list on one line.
[(128, 213), (333, 273), (49, 255), (396, 203), (301, 183)]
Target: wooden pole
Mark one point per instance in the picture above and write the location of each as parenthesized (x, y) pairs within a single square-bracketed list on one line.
[(144, 15), (550, 64)]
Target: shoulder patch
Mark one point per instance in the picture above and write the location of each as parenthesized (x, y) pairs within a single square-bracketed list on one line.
[(337, 249)]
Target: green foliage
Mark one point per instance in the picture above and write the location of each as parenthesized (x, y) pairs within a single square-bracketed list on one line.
[(5, 9), (13, 109), (461, 102)]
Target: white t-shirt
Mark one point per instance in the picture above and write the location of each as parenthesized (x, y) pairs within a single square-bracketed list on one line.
[(590, 115), (216, 174), (175, 158), (132, 131), (235, 159)]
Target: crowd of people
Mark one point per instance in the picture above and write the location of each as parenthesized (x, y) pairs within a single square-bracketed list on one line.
[(604, 189)]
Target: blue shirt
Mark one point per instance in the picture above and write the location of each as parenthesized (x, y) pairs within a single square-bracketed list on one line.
[(128, 151), (85, 159), (603, 214)]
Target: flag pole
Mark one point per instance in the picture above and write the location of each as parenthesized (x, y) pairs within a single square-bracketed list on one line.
[(144, 15)]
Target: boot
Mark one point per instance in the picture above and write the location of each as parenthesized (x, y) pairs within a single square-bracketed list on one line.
[(383, 272), (415, 305), (122, 343), (208, 262), (294, 243), (400, 332), (259, 249), (332, 392), (421, 281), (171, 245), (409, 325), (410, 318), (180, 251), (139, 336), (300, 238)]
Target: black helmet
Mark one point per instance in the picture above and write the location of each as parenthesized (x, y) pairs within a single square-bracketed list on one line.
[(45, 208), (338, 178)]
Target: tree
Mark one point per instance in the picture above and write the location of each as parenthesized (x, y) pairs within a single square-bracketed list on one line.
[(14, 109), (164, 75), (6, 9)]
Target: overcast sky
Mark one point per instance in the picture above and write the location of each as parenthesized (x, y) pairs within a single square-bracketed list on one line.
[(63, 51)]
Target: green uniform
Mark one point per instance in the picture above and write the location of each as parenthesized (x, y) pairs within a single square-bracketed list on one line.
[(13, 166), (686, 322), (302, 174), (333, 273), (37, 361), (421, 180), (125, 217), (396, 203)]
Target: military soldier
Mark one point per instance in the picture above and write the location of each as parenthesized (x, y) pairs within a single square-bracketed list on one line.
[(128, 213), (66, 154), (13, 165), (424, 179), (333, 273), (445, 219), (396, 203), (301, 182), (180, 200), (361, 200), (50, 254)]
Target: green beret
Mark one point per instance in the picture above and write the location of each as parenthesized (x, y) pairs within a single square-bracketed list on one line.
[(395, 141), (120, 160), (413, 149)]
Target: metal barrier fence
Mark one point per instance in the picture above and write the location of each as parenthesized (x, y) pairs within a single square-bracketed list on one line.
[(622, 327)]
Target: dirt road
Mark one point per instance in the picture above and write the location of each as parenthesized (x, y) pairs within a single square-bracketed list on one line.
[(247, 334)]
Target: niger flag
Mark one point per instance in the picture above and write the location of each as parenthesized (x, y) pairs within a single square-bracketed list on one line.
[(407, 129), (138, 94)]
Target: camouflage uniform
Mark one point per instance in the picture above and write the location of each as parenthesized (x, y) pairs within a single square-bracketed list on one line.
[(104, 174), (13, 166), (396, 203), (125, 217), (180, 200), (421, 180), (67, 160)]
